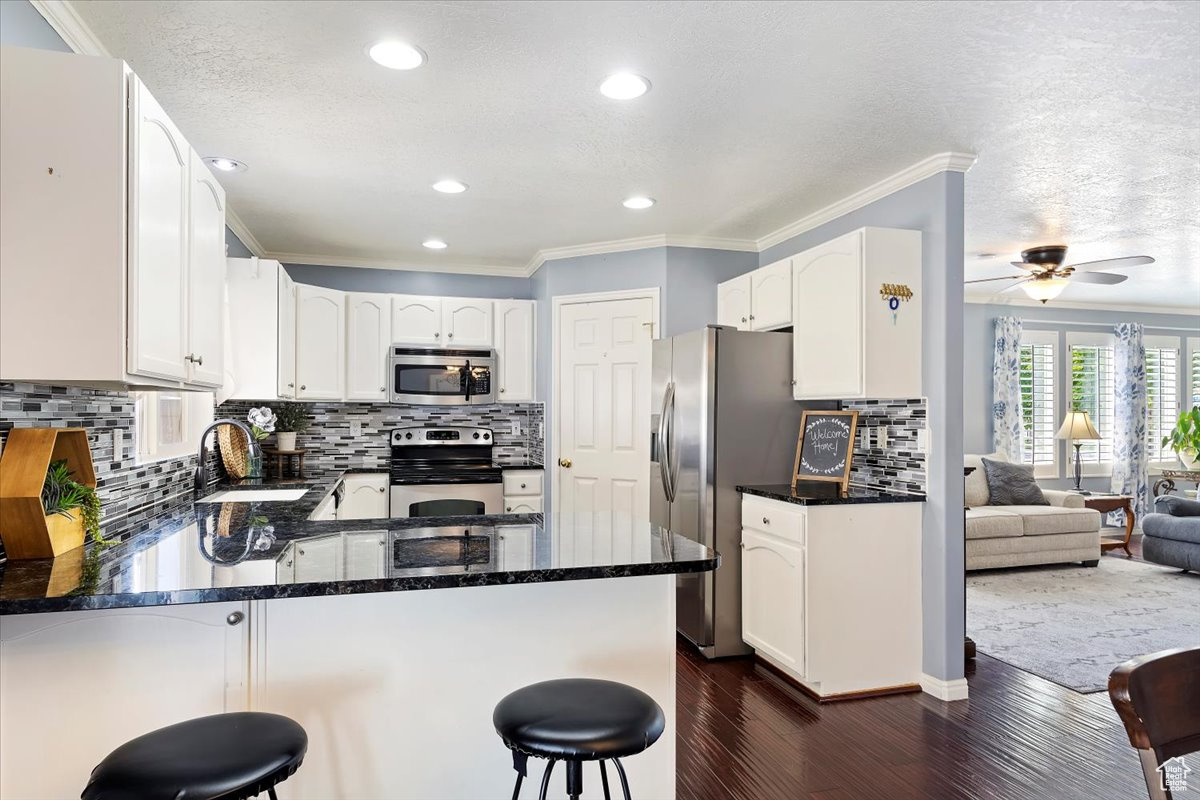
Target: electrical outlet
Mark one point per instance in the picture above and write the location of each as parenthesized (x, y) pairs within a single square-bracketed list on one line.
[(923, 440), (865, 441), (881, 437), (541, 430), (356, 429), (118, 439), (516, 427)]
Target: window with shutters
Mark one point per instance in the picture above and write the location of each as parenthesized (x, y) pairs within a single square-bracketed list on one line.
[(1193, 371), (1039, 416), (167, 424), (1162, 396), (1091, 390)]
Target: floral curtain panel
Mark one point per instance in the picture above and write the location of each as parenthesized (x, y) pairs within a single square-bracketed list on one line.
[(1129, 475), (1006, 388)]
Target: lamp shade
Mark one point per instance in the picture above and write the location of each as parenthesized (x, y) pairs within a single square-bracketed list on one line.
[(1078, 425), (1044, 288)]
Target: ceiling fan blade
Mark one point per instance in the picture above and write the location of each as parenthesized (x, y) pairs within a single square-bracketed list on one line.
[(1027, 265), (1001, 278), (1105, 278), (1112, 263)]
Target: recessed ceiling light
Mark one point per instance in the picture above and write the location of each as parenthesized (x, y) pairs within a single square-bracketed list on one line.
[(396, 55), (450, 186), (638, 203), (624, 86), (225, 164), (434, 244)]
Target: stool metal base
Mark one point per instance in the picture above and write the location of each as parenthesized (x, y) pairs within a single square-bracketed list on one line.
[(574, 780)]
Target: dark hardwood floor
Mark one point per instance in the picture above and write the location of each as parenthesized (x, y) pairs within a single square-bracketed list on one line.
[(744, 734)]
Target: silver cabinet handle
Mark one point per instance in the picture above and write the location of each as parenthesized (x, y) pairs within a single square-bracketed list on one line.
[(766, 521), (235, 618), (195, 359)]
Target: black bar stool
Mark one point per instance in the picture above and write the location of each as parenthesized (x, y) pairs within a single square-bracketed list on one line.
[(228, 756), (577, 720)]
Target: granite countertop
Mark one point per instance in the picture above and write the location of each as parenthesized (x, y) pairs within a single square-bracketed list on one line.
[(214, 552), (823, 493), (517, 463)]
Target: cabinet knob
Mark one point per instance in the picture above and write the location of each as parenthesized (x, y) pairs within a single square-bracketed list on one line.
[(751, 316), (288, 563), (744, 319), (437, 336), (235, 618), (303, 387), (766, 521), (383, 388), (382, 489), (301, 552), (508, 509), (522, 486), (195, 359), (501, 390), (449, 335), (291, 386), (793, 383)]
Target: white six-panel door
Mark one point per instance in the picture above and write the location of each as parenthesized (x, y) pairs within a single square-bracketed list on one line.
[(206, 277), (368, 337), (604, 406)]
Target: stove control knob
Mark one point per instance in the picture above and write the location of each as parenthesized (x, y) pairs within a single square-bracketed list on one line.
[(476, 434), (487, 436), (408, 436)]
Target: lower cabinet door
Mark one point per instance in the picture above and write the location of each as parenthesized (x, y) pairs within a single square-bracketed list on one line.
[(366, 497), (522, 505), (773, 599), (319, 559), (515, 543), (366, 555)]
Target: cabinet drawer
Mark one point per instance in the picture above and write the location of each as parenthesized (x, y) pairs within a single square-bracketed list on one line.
[(522, 505), (771, 516), (523, 482)]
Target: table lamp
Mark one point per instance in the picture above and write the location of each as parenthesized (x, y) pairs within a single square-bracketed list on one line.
[(1078, 427)]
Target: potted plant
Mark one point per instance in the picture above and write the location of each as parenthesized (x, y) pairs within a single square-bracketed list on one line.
[(70, 505), (291, 419), (1184, 438)]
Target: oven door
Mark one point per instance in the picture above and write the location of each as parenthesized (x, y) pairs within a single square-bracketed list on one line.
[(447, 499)]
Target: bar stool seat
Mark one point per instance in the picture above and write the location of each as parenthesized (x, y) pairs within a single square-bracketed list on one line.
[(228, 756), (576, 720)]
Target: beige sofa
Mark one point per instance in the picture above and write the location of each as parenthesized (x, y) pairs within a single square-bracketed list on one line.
[(1018, 536)]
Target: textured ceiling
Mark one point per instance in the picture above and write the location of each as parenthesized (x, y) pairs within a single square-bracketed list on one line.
[(1085, 118)]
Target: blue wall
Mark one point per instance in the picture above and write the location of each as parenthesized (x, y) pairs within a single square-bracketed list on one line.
[(396, 281), (234, 247), (978, 340), (23, 26), (933, 206)]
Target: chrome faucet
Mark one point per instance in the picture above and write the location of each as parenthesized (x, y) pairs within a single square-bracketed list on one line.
[(201, 481)]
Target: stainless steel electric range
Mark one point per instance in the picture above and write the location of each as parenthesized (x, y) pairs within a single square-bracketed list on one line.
[(444, 472)]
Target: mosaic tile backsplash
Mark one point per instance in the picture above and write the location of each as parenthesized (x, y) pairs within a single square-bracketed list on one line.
[(331, 442), (124, 487), (900, 466)]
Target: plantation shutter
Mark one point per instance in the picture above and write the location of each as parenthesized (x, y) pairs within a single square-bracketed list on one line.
[(1162, 397), (1092, 391), (1037, 403)]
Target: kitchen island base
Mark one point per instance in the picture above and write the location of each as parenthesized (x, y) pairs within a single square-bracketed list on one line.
[(396, 690)]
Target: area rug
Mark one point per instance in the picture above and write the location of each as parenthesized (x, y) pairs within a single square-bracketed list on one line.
[(1073, 625)]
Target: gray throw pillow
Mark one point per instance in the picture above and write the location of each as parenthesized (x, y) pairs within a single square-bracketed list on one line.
[(1012, 485), (1177, 506)]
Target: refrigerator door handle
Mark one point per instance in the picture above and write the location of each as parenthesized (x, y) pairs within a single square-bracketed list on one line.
[(672, 474), (664, 448)]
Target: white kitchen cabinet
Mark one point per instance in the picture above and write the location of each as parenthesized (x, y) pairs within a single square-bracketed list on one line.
[(365, 555), (254, 329), (319, 558), (733, 302), (771, 296), (158, 239), (848, 340), (101, 194), (515, 543), (466, 322), (803, 605), (772, 598), (522, 491), (285, 565), (416, 320), (366, 497), (320, 343), (206, 277), (181, 662), (325, 510), (515, 348), (289, 298), (368, 337)]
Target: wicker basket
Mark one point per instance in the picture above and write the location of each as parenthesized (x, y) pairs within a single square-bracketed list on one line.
[(234, 446)]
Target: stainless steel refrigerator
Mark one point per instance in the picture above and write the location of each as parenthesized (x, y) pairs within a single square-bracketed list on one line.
[(723, 416)]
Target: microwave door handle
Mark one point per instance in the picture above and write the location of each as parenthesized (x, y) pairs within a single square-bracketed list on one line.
[(469, 379)]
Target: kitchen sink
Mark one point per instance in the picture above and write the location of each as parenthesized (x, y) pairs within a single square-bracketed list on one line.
[(254, 496)]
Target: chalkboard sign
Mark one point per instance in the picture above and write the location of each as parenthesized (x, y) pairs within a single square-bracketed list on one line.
[(825, 447)]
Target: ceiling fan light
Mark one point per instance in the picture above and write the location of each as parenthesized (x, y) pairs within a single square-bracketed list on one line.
[(1044, 289)]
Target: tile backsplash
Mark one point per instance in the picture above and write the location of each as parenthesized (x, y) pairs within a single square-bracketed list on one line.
[(899, 466), (124, 486), (332, 441)]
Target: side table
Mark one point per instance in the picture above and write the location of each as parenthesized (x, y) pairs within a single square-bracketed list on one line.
[(1166, 483), (1105, 503)]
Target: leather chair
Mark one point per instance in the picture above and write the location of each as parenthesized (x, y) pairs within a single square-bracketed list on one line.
[(1158, 698), (577, 720), (227, 756)]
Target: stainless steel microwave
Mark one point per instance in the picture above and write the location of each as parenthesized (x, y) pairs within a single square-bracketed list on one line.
[(441, 376)]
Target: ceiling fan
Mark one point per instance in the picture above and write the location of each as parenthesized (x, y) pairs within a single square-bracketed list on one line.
[(1045, 276)]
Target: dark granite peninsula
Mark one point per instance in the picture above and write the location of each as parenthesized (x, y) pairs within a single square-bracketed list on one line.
[(250, 605), (823, 493)]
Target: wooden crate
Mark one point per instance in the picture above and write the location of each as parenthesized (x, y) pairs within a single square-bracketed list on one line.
[(24, 527)]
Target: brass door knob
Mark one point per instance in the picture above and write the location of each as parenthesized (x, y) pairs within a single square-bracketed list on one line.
[(565, 463)]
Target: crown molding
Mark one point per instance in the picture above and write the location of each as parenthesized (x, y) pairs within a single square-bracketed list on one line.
[(638, 243), (495, 270), (1073, 305), (70, 26), (942, 162), (235, 224)]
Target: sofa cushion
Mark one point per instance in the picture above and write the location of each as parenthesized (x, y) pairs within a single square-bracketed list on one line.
[(993, 522), (1041, 520), (1012, 484), (1165, 526), (975, 487), (1177, 506)]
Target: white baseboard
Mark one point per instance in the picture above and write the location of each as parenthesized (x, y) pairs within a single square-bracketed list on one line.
[(944, 690)]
